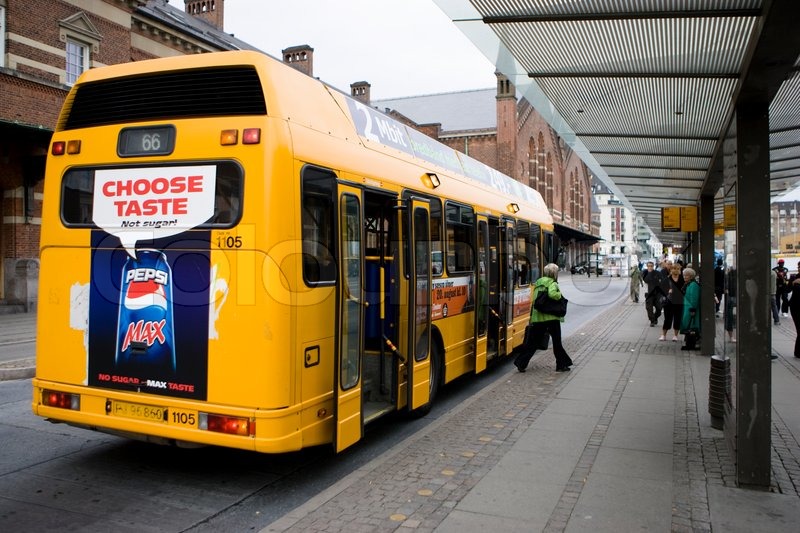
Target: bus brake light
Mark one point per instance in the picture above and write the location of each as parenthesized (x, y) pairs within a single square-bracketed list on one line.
[(61, 400), (232, 425), (58, 148), (251, 136)]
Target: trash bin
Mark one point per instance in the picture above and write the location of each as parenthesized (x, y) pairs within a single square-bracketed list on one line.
[(719, 386)]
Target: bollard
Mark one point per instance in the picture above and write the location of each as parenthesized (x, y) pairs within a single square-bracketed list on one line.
[(719, 386)]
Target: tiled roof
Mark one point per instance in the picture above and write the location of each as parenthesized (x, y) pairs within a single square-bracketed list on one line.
[(456, 111), (171, 16)]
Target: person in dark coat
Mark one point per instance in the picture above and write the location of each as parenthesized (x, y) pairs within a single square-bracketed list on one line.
[(652, 298), (783, 288), (719, 284), (673, 310), (794, 308)]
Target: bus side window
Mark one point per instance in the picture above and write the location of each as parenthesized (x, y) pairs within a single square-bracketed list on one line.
[(318, 211)]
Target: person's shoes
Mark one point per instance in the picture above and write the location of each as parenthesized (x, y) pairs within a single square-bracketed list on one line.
[(519, 367), (674, 338), (773, 356), (785, 315), (686, 348), (563, 369), (777, 322), (662, 338)]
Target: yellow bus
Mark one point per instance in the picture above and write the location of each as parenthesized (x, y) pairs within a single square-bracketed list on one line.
[(236, 254)]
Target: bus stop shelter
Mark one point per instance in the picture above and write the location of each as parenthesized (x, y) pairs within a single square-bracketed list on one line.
[(674, 104)]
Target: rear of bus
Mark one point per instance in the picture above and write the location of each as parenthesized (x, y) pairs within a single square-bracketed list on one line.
[(157, 319)]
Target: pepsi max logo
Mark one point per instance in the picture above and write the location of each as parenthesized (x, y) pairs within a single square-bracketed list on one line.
[(147, 274)]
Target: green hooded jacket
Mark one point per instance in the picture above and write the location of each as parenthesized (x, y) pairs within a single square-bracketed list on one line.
[(544, 284)]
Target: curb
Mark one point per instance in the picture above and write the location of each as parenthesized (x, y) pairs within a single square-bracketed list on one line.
[(23, 369)]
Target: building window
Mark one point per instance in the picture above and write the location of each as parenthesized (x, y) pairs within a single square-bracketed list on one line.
[(77, 60), (80, 38)]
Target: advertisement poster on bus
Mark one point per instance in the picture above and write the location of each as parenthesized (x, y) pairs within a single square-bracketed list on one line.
[(149, 290), (452, 296)]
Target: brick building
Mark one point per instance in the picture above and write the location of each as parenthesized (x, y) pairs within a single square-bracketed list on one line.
[(44, 46), (505, 132)]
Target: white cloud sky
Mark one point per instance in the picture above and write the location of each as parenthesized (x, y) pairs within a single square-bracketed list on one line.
[(401, 47)]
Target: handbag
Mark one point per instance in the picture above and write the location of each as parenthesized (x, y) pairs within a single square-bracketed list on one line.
[(544, 304), (532, 343)]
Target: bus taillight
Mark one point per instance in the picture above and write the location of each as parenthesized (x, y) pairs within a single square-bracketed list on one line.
[(61, 400), (232, 425), (251, 136), (58, 148)]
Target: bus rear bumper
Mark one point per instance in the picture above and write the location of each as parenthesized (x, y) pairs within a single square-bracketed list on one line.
[(176, 422)]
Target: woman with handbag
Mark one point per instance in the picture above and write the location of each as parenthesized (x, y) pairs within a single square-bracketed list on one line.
[(543, 322), (673, 308), (690, 322)]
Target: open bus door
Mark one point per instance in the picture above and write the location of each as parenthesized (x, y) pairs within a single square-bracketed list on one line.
[(418, 362), (348, 427), (508, 232)]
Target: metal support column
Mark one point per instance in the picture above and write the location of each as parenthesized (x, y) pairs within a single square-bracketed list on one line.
[(754, 367), (706, 273)]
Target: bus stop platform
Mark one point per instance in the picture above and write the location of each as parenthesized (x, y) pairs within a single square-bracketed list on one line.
[(623, 442)]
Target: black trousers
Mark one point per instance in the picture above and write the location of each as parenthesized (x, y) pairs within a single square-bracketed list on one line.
[(652, 304), (553, 327)]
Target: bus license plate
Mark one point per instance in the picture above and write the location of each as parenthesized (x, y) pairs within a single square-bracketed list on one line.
[(140, 411)]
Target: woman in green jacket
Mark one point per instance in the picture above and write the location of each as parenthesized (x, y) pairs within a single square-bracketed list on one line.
[(543, 323), (690, 321)]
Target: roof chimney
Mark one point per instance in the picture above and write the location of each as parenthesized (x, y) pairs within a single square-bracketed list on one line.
[(360, 91), (209, 10), (300, 57)]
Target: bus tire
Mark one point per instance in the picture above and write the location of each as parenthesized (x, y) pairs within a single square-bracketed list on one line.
[(436, 375)]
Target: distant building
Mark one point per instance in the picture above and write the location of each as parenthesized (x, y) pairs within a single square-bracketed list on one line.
[(619, 247), (43, 50), (784, 227)]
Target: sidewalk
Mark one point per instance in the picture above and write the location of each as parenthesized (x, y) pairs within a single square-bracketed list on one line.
[(17, 346), (621, 443)]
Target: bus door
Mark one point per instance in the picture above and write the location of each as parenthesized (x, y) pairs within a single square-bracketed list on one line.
[(507, 234), (482, 297), (418, 361), (348, 417), (494, 316)]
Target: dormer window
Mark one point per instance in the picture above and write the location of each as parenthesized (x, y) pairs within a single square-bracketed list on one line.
[(81, 39)]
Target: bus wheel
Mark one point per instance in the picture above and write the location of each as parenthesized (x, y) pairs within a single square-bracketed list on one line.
[(435, 380)]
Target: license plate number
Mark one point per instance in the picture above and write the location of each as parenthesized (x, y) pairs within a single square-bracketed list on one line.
[(140, 411), (152, 413)]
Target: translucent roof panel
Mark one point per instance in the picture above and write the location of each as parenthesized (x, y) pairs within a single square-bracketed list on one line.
[(643, 90)]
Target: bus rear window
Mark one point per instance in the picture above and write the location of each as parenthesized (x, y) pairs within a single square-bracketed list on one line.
[(155, 194)]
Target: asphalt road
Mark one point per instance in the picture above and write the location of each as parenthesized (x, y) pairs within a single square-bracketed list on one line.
[(55, 477)]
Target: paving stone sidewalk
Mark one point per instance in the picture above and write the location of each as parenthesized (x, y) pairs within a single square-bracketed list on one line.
[(423, 480)]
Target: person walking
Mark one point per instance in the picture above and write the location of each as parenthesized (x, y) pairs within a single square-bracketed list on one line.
[(690, 321), (730, 304), (653, 296), (673, 310), (773, 296), (719, 284), (636, 282), (783, 288), (543, 323)]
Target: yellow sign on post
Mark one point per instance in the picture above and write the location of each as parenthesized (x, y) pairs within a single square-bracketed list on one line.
[(679, 218), (689, 218), (670, 219)]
